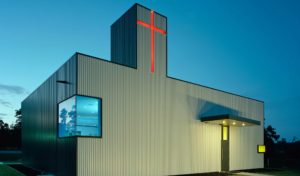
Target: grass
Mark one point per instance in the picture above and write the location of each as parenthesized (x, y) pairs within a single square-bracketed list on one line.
[(8, 171), (283, 172)]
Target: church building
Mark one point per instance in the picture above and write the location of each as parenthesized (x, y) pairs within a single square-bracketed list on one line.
[(127, 117)]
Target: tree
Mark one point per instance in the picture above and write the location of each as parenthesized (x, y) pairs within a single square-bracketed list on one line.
[(18, 115), (5, 135), (10, 135), (17, 129), (3, 126), (270, 137)]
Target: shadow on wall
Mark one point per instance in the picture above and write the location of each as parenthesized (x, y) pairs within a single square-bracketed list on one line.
[(204, 108)]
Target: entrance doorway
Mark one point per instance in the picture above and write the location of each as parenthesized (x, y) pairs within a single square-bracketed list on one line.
[(225, 148)]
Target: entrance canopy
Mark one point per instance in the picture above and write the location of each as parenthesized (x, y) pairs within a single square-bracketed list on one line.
[(230, 120)]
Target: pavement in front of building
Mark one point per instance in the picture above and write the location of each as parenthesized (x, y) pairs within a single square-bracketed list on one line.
[(250, 174)]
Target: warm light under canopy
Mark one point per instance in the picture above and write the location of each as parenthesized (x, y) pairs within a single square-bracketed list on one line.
[(230, 120)]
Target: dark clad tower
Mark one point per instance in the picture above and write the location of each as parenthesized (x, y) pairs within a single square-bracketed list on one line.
[(139, 40)]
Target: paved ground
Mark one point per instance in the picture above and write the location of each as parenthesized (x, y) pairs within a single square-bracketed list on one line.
[(6, 170), (250, 174)]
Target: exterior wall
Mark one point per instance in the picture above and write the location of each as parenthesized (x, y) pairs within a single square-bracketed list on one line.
[(130, 41), (243, 147), (123, 39), (42, 149), (151, 124), (144, 43)]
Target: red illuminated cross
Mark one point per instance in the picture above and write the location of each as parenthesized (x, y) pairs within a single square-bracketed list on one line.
[(152, 28)]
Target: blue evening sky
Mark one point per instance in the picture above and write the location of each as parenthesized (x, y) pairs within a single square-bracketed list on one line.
[(251, 48)]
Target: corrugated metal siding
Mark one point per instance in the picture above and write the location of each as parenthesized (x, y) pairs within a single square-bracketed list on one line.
[(151, 122), (129, 40), (143, 14), (144, 43), (160, 49), (243, 148), (40, 145), (160, 21), (151, 126), (123, 39)]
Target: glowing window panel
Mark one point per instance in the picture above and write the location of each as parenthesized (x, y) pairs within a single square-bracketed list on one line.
[(225, 133), (261, 149), (79, 116)]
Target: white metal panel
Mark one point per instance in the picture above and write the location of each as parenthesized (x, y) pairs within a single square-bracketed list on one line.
[(150, 124)]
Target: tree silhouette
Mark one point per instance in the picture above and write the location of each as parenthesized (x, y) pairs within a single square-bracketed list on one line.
[(18, 115), (3, 126), (10, 136), (270, 138), (270, 135)]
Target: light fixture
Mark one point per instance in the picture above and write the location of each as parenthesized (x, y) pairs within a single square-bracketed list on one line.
[(261, 149), (233, 123), (224, 121), (243, 124)]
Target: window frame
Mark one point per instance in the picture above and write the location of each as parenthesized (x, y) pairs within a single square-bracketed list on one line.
[(77, 136)]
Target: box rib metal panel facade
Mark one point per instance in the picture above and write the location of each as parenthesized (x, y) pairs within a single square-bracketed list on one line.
[(151, 125), (144, 43), (41, 147), (123, 39), (150, 121)]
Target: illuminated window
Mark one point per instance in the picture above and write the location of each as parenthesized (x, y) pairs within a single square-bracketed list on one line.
[(261, 149), (80, 116), (225, 133)]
